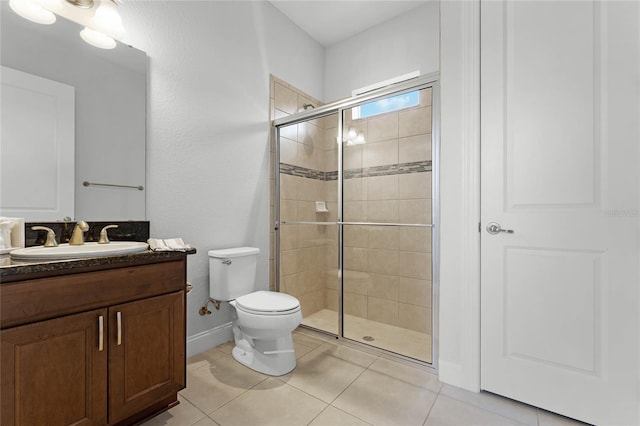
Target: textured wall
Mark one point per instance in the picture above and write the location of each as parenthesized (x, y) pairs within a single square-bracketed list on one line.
[(407, 43), (208, 124)]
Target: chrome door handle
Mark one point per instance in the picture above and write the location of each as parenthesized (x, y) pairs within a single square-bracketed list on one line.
[(494, 228)]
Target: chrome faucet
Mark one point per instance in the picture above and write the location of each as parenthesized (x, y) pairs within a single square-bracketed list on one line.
[(77, 238)]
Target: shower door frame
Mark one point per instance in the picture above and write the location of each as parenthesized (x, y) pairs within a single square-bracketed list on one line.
[(422, 82)]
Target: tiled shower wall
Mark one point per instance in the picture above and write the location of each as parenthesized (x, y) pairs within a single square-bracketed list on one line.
[(304, 248), (388, 179)]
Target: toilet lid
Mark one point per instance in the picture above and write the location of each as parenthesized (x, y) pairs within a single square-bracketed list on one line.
[(267, 302)]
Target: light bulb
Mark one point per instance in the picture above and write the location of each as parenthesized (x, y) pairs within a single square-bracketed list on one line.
[(97, 39), (32, 11), (108, 13), (107, 19)]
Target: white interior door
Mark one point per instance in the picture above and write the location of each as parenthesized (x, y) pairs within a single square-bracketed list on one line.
[(560, 159)]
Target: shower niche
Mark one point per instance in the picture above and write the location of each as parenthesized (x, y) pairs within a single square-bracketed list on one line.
[(355, 209)]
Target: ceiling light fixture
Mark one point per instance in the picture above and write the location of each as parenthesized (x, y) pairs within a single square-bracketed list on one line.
[(33, 11), (82, 4), (102, 26), (105, 26), (97, 39)]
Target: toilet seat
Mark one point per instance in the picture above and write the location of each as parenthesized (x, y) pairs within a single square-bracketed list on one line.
[(268, 303)]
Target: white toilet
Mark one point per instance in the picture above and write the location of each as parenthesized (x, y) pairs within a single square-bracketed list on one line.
[(264, 320)]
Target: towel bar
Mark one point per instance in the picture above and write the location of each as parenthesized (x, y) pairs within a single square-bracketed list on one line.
[(86, 183)]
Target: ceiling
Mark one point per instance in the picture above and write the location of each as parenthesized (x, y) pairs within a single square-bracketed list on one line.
[(331, 21)]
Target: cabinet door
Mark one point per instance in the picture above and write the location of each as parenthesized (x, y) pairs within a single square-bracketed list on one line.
[(59, 363), (146, 353)]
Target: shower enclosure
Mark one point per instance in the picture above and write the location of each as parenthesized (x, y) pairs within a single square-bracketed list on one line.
[(356, 216)]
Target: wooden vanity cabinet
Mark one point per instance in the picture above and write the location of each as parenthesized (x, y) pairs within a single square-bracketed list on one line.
[(53, 373), (108, 349), (145, 364)]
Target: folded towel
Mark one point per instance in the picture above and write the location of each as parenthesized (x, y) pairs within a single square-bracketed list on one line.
[(169, 244)]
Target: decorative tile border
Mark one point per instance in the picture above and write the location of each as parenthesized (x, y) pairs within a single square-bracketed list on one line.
[(387, 170), (288, 169)]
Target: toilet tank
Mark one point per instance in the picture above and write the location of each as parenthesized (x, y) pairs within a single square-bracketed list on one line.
[(232, 272)]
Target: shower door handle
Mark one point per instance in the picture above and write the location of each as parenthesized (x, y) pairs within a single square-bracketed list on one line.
[(494, 228)]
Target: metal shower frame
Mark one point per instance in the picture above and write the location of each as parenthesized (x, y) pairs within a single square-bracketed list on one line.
[(417, 83)]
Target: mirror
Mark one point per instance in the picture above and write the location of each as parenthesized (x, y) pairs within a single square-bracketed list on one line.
[(110, 114)]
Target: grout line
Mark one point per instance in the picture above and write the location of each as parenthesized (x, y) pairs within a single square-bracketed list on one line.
[(431, 408), (214, 422), (237, 396), (318, 415), (352, 382)]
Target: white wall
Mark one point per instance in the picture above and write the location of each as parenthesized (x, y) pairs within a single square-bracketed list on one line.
[(404, 44), (208, 127)]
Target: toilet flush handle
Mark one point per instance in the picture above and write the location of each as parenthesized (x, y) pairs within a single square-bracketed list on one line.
[(227, 262)]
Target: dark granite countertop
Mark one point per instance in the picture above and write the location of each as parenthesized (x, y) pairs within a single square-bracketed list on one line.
[(12, 270)]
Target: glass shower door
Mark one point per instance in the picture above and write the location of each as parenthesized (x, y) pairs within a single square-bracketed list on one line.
[(308, 218), (387, 217)]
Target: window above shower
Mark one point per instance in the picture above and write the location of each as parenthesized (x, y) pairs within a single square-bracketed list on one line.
[(382, 106)]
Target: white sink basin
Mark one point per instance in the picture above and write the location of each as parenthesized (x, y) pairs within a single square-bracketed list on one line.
[(65, 251)]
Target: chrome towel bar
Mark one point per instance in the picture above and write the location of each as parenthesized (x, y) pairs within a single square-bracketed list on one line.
[(86, 183)]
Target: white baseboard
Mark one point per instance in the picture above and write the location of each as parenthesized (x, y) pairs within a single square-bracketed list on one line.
[(209, 339), (450, 373)]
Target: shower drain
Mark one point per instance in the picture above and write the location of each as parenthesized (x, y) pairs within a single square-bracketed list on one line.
[(368, 338)]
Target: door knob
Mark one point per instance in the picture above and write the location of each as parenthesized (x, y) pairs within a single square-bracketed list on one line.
[(494, 228)]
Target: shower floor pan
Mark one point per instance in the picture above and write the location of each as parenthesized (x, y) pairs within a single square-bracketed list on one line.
[(405, 342)]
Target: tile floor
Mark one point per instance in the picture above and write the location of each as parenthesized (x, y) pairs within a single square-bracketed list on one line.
[(335, 384), (395, 339)]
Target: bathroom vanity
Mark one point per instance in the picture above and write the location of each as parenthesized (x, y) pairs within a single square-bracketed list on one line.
[(97, 341)]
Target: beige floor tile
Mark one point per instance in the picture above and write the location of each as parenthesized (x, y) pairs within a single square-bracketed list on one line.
[(204, 358), (331, 416), (546, 418), (408, 374), (301, 349), (206, 422), (382, 400), (522, 413), (226, 347), (183, 414), (211, 387), (272, 402), (352, 355), (449, 411), (322, 375)]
